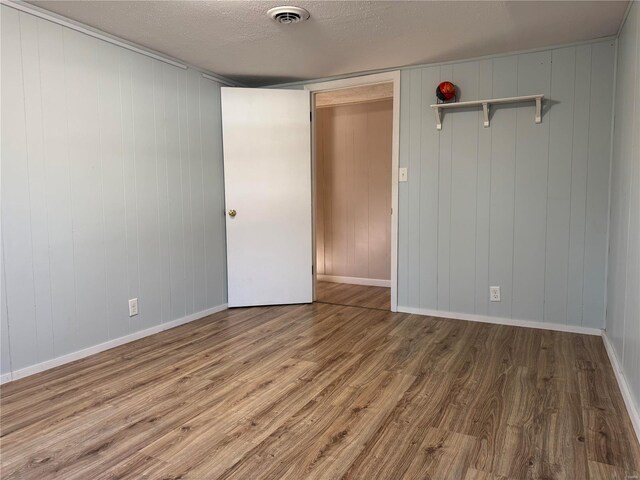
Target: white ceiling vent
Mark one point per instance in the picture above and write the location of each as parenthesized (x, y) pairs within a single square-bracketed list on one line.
[(288, 15)]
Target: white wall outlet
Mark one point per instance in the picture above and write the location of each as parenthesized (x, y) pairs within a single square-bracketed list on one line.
[(133, 307), (402, 177), (494, 294)]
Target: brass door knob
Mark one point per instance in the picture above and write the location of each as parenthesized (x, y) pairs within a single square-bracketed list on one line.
[(232, 213)]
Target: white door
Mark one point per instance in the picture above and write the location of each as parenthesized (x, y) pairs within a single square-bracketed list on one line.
[(267, 178)]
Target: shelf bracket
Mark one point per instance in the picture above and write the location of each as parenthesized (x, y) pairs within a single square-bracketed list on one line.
[(538, 110), (438, 112), (485, 111)]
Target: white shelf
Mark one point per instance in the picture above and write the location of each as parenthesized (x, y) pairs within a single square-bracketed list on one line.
[(438, 107)]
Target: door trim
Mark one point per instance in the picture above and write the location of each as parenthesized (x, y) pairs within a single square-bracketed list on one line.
[(384, 77)]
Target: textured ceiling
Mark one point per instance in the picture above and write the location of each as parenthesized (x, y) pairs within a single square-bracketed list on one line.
[(237, 39)]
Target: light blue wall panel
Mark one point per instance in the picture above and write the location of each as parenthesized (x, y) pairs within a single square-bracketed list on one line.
[(196, 188), (160, 122), (532, 162), (185, 176), (415, 155), (464, 178), (5, 353), (503, 170), (578, 190), (58, 190), (146, 154), (175, 216), (81, 81), (597, 207), (443, 231), (111, 180), (483, 194), (631, 360), (517, 205), (429, 171), (623, 283), (130, 173), (559, 185), (16, 214), (37, 185)]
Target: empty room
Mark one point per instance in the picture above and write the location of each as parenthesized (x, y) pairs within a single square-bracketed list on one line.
[(320, 240)]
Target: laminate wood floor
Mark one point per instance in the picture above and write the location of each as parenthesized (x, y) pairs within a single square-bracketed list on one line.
[(325, 391), (353, 295)]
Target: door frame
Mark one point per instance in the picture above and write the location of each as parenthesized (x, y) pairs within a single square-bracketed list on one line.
[(377, 78)]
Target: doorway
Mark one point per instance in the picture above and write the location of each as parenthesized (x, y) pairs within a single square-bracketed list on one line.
[(355, 190)]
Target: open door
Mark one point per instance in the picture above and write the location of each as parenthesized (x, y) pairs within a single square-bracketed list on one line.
[(267, 176)]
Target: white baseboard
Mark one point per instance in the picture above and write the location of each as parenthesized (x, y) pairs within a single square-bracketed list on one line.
[(502, 321), (632, 408), (370, 282), (71, 357)]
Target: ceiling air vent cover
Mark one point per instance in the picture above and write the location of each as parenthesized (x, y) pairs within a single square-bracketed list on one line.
[(288, 15)]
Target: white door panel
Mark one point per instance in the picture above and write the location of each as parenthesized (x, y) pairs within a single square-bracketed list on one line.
[(267, 173)]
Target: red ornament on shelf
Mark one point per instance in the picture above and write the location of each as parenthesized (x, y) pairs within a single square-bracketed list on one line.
[(446, 91)]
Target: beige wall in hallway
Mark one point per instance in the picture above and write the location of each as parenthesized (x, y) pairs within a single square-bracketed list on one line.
[(353, 175)]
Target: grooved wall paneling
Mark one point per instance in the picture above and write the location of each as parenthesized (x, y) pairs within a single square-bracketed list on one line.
[(111, 189), (623, 298), (518, 205)]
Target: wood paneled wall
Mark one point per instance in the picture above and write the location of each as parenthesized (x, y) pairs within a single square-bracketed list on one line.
[(353, 175), (112, 189), (623, 299), (519, 205)]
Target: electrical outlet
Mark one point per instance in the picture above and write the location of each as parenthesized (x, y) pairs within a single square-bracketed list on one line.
[(133, 307), (494, 294)]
